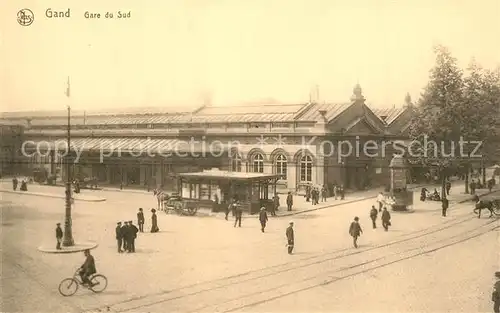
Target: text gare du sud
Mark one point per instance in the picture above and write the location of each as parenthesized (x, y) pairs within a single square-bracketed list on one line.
[(50, 13)]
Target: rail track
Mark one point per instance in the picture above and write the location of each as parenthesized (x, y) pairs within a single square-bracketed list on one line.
[(258, 286)]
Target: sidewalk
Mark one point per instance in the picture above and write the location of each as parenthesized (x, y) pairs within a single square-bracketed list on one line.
[(76, 197)]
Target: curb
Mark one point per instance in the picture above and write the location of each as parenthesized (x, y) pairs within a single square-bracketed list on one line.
[(51, 195), (78, 247), (366, 198)]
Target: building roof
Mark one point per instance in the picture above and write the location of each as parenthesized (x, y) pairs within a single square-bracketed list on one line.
[(217, 174), (185, 109), (391, 114), (312, 112)]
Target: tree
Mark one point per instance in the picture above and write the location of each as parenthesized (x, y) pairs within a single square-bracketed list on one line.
[(436, 115), (452, 108)]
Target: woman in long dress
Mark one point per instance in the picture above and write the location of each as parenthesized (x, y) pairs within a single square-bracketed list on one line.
[(154, 222)]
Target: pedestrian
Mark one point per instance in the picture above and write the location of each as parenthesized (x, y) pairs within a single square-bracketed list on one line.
[(119, 236), (229, 208), (495, 296), (24, 186), (323, 194), (276, 205), (342, 192), (238, 210), (386, 219), (133, 230), (355, 231), (448, 187), (289, 201), (59, 236), (140, 220), (15, 182), (154, 222), (445, 204), (472, 186), (126, 236), (380, 201), (263, 218), (373, 216), (290, 237), (335, 191)]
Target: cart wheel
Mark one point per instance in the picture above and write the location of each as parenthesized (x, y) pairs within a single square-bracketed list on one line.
[(191, 209)]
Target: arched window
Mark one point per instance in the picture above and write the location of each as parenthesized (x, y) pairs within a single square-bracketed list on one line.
[(258, 163), (235, 162), (280, 166), (306, 169)]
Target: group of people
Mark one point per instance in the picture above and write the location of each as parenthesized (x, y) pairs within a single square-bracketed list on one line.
[(313, 193), (125, 236), (15, 183)]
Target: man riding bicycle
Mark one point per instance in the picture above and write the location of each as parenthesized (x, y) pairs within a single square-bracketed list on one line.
[(88, 268)]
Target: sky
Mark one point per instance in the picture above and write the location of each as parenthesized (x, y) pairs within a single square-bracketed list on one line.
[(178, 53)]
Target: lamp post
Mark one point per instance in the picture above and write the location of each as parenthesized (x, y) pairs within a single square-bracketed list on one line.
[(68, 232)]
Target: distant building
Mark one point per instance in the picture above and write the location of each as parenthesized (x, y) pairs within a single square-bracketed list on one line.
[(11, 139), (298, 141)]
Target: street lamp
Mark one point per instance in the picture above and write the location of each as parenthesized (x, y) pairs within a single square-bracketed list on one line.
[(68, 240)]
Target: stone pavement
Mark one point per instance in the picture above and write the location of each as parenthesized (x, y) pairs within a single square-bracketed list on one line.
[(187, 250)]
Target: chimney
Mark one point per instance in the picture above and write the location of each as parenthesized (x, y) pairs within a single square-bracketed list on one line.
[(323, 114)]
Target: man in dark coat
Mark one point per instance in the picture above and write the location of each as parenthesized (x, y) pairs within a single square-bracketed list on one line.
[(495, 296), (132, 236), (290, 237), (448, 187), (472, 186), (355, 231), (125, 231), (444, 204), (289, 201), (276, 205), (59, 236), (263, 218), (119, 236), (15, 182), (238, 214), (373, 216), (140, 220), (386, 219)]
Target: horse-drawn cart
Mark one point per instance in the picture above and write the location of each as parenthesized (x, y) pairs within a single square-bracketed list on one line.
[(175, 204)]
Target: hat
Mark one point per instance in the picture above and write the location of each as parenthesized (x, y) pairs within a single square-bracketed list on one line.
[(140, 209), (356, 218), (291, 222), (130, 222), (497, 274), (153, 210), (118, 223), (58, 224)]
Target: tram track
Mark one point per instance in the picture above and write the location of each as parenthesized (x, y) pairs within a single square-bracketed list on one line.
[(205, 290)]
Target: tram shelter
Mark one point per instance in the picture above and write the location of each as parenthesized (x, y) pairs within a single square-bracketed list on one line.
[(252, 190)]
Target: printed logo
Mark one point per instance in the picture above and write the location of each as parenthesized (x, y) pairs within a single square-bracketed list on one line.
[(25, 17)]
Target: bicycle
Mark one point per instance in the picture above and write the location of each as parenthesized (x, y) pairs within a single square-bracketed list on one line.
[(69, 286)]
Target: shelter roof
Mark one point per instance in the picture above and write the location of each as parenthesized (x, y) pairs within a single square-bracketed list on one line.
[(166, 147), (217, 174)]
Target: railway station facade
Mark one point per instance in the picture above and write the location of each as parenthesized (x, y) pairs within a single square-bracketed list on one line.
[(304, 143)]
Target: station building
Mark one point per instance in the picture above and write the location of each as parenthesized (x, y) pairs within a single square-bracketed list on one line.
[(148, 147)]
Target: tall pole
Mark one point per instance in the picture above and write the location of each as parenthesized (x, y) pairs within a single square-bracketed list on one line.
[(68, 231)]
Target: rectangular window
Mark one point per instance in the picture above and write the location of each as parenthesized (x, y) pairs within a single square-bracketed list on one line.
[(306, 172)]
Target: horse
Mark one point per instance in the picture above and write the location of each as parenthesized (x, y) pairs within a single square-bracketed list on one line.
[(161, 197), (489, 205)]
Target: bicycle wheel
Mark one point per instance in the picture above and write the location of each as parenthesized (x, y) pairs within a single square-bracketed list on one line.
[(99, 283), (68, 287)]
